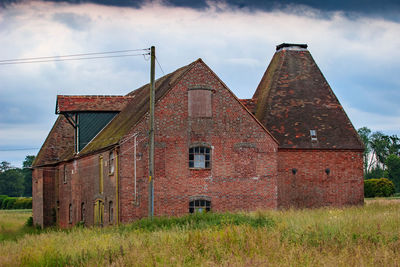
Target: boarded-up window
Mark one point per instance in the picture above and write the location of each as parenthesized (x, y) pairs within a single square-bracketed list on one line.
[(199, 103)]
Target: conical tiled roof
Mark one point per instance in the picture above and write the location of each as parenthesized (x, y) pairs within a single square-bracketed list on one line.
[(293, 98)]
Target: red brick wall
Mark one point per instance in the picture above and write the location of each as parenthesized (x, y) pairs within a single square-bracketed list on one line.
[(243, 161), (37, 196), (311, 186), (82, 186), (43, 195)]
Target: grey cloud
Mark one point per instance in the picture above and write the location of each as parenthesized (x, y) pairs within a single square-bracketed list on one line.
[(73, 21)]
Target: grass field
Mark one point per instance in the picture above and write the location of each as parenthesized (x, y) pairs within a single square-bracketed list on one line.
[(353, 236)]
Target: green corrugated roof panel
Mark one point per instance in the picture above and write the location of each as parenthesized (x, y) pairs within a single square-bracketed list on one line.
[(90, 124)]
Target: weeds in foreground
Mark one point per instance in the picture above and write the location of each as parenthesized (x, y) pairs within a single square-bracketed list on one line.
[(366, 236)]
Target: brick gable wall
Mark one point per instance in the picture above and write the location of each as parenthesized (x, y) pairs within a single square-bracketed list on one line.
[(243, 155)]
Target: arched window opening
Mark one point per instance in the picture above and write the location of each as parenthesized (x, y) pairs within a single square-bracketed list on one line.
[(199, 157), (70, 213), (110, 212), (111, 163), (98, 212), (199, 206), (83, 212)]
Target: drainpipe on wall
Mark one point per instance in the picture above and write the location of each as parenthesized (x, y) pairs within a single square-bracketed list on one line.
[(116, 187)]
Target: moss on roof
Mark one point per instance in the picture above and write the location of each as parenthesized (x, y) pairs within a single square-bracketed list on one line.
[(293, 98), (134, 111), (59, 144)]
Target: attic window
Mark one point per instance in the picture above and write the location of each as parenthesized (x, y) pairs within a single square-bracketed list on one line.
[(313, 134), (199, 102)]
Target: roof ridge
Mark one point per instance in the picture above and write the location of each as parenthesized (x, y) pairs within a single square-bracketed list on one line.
[(136, 110), (93, 96)]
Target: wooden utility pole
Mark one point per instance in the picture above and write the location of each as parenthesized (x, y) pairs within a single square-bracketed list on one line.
[(151, 133)]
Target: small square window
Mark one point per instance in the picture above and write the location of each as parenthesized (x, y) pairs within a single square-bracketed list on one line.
[(199, 157)]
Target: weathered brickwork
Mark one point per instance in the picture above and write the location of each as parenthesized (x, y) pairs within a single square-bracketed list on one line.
[(81, 190), (68, 103), (304, 180), (246, 168), (243, 168), (43, 194)]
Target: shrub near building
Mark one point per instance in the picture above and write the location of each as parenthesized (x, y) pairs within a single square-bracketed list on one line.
[(382, 187), (10, 203)]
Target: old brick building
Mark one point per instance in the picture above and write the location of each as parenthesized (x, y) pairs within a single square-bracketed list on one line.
[(290, 145)]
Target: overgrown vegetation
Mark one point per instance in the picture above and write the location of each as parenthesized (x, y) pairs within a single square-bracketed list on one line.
[(378, 188), (13, 203), (365, 235), (14, 225)]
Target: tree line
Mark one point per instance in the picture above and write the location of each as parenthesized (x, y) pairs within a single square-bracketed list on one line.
[(381, 156), (16, 182)]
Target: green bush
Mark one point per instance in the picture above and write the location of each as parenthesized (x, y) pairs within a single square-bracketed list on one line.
[(28, 203), (16, 203), (382, 187), (29, 222), (4, 203), (10, 203), (2, 197)]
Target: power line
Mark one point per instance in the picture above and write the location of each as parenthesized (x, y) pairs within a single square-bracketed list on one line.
[(19, 149), (68, 59), (74, 55), (160, 66)]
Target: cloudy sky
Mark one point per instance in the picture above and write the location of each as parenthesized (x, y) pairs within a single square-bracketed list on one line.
[(355, 43)]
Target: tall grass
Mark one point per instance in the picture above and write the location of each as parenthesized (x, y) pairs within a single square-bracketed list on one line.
[(12, 224), (361, 236)]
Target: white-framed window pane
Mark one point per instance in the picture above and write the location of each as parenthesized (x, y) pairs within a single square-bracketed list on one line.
[(199, 161)]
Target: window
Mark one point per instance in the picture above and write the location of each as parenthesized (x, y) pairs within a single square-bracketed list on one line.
[(111, 162), (70, 213), (313, 134), (199, 157), (98, 212), (110, 212), (199, 205), (101, 173), (83, 211), (199, 101), (65, 174)]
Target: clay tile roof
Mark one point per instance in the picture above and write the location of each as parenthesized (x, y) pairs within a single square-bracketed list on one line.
[(74, 103), (59, 144), (135, 110), (293, 98), (250, 104)]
